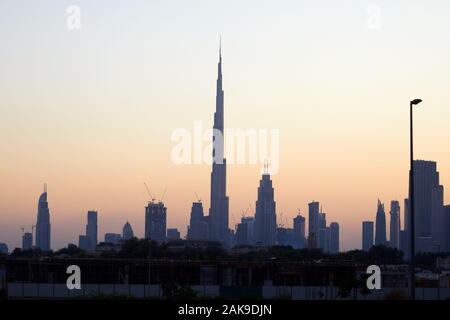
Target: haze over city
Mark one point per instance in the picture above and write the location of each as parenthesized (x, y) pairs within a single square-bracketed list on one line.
[(90, 112)]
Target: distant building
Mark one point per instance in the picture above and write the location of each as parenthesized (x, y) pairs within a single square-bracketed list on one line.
[(155, 221), (394, 238), (218, 212), (265, 216), (285, 236), (84, 242), (334, 237), (429, 208), (4, 248), (299, 232), (324, 239), (250, 222), (27, 241), (242, 234), (313, 227), (447, 228), (173, 234), (113, 238), (127, 231), (380, 227), (198, 223), (91, 229), (43, 228), (367, 235)]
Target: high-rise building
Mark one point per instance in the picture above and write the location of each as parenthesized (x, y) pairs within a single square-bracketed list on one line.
[(299, 232), (173, 234), (447, 228), (84, 242), (218, 212), (155, 221), (380, 226), (91, 229), (265, 216), (428, 207), (242, 234), (324, 239), (43, 228), (250, 222), (127, 231), (198, 223), (367, 235), (334, 237), (27, 241), (313, 221), (394, 235)]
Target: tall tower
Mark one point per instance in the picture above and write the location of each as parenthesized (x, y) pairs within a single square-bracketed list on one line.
[(218, 212), (313, 227), (367, 235), (91, 229), (394, 238), (155, 221), (265, 216), (380, 225), (43, 223)]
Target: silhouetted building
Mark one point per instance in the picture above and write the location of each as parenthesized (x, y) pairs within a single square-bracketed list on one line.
[(447, 228), (173, 234), (242, 234), (394, 237), (324, 239), (113, 238), (218, 213), (155, 221), (250, 222), (299, 232), (334, 237), (91, 229), (265, 216), (43, 228), (285, 236), (380, 227), (127, 231), (84, 242), (27, 241), (313, 227), (367, 235), (198, 224), (429, 208)]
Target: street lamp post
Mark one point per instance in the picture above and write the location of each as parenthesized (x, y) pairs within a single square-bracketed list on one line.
[(411, 202)]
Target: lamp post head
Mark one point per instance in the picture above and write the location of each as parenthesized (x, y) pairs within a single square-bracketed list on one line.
[(416, 101)]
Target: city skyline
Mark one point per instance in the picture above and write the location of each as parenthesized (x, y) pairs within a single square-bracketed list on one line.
[(89, 134)]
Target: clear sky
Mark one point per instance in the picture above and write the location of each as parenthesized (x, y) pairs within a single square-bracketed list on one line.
[(91, 111)]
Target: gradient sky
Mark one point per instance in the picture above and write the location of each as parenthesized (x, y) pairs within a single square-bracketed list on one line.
[(91, 111)]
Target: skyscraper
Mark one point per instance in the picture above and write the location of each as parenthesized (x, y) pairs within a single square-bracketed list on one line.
[(242, 234), (43, 228), (265, 216), (324, 239), (367, 235), (394, 237), (299, 232), (155, 221), (127, 231), (198, 223), (27, 241), (91, 230), (429, 207), (313, 223), (218, 212), (380, 227), (334, 237)]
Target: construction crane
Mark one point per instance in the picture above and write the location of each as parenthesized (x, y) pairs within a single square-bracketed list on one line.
[(149, 193), (198, 198), (162, 197)]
